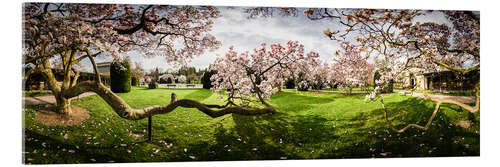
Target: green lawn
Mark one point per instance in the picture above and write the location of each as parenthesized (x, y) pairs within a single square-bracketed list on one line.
[(353, 89), (308, 125), (36, 93)]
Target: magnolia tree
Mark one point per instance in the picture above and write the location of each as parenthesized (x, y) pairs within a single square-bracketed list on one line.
[(400, 40), (181, 79), (165, 77), (69, 33), (255, 76), (351, 70), (318, 76)]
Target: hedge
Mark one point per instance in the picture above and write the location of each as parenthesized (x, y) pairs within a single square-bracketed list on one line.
[(205, 80), (120, 75)]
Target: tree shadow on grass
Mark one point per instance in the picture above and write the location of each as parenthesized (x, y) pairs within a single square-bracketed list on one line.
[(58, 152), (442, 139), (273, 137)]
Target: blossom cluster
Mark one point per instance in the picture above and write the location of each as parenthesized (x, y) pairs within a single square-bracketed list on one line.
[(261, 72)]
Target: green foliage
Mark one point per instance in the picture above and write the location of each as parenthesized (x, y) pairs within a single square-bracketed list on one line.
[(307, 125), (120, 74), (153, 85), (135, 81), (205, 80), (191, 78), (290, 84), (169, 80)]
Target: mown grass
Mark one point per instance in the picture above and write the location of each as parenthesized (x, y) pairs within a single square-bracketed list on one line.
[(353, 89), (308, 125), (36, 93)]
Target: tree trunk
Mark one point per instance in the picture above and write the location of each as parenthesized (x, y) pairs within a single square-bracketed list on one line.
[(63, 104)]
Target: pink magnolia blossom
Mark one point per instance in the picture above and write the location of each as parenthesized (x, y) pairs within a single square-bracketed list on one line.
[(247, 75)]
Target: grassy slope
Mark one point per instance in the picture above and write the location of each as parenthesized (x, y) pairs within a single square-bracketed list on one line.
[(308, 125)]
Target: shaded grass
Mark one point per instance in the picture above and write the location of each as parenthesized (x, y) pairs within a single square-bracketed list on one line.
[(36, 93), (307, 126)]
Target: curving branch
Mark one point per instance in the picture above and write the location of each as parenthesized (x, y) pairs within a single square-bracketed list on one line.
[(409, 125), (127, 112), (463, 71)]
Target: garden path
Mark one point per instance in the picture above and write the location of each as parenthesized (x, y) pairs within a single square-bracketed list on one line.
[(49, 99), (461, 99)]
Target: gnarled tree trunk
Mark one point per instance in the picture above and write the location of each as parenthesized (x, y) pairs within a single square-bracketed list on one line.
[(62, 104)]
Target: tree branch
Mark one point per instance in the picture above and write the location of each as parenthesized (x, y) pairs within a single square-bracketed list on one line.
[(125, 111), (463, 71)]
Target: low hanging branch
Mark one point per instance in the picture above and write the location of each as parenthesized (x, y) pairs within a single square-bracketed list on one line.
[(436, 109), (125, 111)]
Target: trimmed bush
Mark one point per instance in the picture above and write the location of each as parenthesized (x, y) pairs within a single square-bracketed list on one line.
[(205, 80), (120, 75)]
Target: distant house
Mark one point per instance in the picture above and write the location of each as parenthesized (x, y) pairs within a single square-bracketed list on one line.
[(412, 78), (36, 81), (104, 68), (443, 80), (448, 80)]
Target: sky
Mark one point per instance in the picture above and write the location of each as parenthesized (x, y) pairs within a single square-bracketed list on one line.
[(234, 28)]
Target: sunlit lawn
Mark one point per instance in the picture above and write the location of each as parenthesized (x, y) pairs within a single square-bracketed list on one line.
[(307, 125)]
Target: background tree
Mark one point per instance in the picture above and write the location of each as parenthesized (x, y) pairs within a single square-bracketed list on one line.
[(166, 78), (351, 70), (192, 78), (137, 73), (320, 76), (249, 77), (205, 79), (155, 77), (181, 79)]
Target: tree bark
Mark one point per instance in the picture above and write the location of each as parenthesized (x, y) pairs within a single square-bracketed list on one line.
[(127, 112), (63, 104)]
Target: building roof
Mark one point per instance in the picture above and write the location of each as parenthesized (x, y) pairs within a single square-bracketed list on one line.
[(103, 64)]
